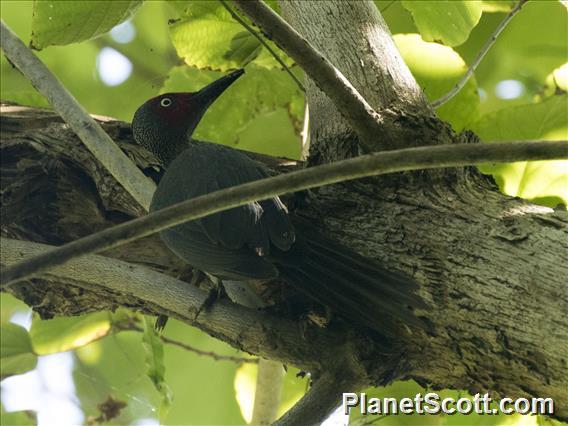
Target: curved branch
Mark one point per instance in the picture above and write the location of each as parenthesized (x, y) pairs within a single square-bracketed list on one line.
[(93, 136), (360, 115), (488, 44), (246, 329), (429, 157)]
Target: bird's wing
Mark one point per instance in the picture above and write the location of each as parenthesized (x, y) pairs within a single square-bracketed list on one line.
[(255, 225)]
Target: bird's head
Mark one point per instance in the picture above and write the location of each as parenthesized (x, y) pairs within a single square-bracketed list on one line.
[(164, 124)]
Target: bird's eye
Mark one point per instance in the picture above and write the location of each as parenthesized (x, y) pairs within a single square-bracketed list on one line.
[(166, 102)]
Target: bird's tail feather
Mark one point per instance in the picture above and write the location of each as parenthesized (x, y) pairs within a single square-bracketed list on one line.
[(356, 287)]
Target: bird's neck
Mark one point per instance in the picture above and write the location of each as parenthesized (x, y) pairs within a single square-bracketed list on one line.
[(168, 151)]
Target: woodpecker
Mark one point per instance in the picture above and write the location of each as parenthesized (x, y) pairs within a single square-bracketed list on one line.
[(260, 240)]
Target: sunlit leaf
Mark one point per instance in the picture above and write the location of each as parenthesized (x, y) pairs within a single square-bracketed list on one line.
[(66, 333), (437, 69), (409, 389), (208, 37), (156, 369), (498, 5), (16, 353), (293, 388), (531, 46), (544, 181), (557, 82), (17, 418), (115, 366), (66, 22), (447, 22), (267, 59), (245, 386), (208, 43)]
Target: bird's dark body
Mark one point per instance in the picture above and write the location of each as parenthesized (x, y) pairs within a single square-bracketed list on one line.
[(225, 244), (260, 240)]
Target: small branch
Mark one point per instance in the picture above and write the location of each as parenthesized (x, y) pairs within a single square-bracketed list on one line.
[(269, 382), (237, 18), (428, 157), (210, 354), (323, 397), (360, 115), (488, 44), (92, 135), (269, 379)]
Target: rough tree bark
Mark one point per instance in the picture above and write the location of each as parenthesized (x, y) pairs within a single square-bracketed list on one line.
[(491, 267)]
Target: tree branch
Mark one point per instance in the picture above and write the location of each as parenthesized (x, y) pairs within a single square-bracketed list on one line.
[(269, 382), (429, 157), (360, 115), (488, 44), (261, 40), (92, 135), (322, 398), (243, 328), (486, 264)]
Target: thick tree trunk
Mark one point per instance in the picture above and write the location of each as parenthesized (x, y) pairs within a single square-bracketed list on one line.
[(492, 268)]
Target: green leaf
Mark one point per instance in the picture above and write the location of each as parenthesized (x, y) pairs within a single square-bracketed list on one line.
[(557, 81), (532, 45), (260, 103), (266, 59), (66, 22), (154, 349), (543, 181), (16, 352), (209, 38), (197, 9), (498, 5), (409, 389), (293, 388), (25, 97), (437, 69), (447, 22), (67, 333), (17, 418), (245, 386)]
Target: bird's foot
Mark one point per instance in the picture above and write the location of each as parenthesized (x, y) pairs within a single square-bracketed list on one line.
[(160, 323), (216, 293)]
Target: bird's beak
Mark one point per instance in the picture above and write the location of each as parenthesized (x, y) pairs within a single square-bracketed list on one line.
[(208, 94)]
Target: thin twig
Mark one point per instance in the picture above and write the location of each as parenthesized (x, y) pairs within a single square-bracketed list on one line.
[(93, 136), (210, 354), (426, 157), (350, 103), (488, 44), (251, 30)]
